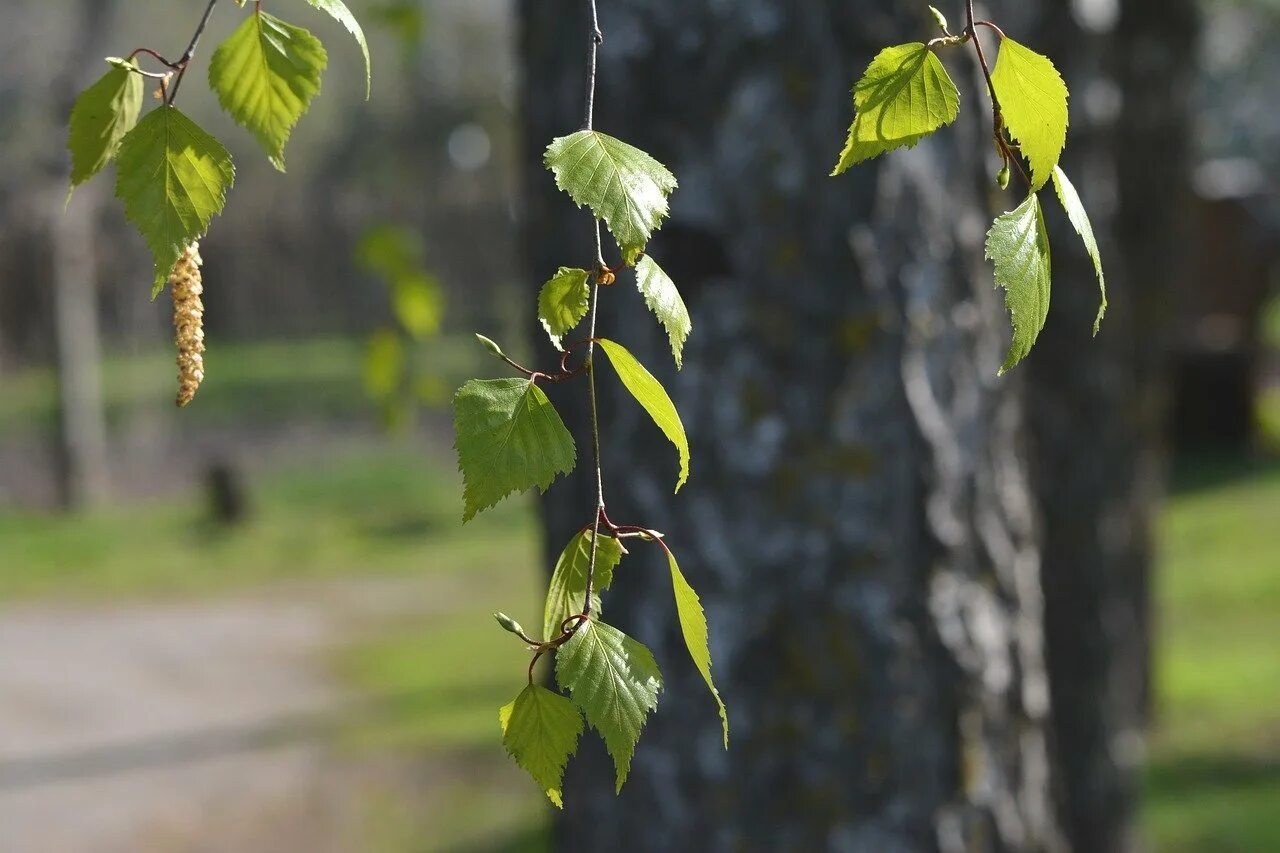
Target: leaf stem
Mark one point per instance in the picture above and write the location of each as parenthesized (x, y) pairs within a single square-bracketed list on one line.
[(997, 117), (182, 64)]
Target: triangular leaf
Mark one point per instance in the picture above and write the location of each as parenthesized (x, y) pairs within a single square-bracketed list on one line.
[(650, 394), (340, 13), (663, 299), (540, 730), (1019, 245), (101, 117), (265, 76), (904, 96), (509, 439), (1079, 217), (172, 177), (563, 302), (615, 681), (621, 184), (1033, 100), (569, 580), (693, 624)]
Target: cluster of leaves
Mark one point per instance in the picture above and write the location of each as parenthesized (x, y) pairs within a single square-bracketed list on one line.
[(906, 94), (171, 175), (392, 377), (511, 439)]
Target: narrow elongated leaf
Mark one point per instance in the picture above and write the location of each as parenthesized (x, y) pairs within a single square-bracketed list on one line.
[(663, 299), (650, 394), (621, 184), (265, 76), (693, 624), (615, 681), (563, 302), (101, 117), (509, 439), (1033, 99), (1019, 245), (1079, 217), (540, 730), (904, 96), (569, 580), (173, 178), (340, 13)]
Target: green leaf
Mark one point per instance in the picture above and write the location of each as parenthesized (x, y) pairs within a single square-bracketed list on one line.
[(650, 394), (340, 13), (173, 178), (569, 580), (904, 96), (615, 681), (509, 439), (101, 117), (265, 76), (693, 624), (563, 302), (621, 184), (540, 730), (1019, 245), (385, 364), (418, 301), (664, 301), (1079, 217), (1033, 100)]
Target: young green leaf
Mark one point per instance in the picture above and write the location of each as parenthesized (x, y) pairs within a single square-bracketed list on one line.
[(509, 439), (650, 394), (1033, 100), (1074, 207), (693, 624), (904, 96), (664, 301), (1019, 245), (563, 302), (621, 184), (172, 177), (340, 13), (101, 117), (540, 730), (615, 681), (265, 76), (569, 580)]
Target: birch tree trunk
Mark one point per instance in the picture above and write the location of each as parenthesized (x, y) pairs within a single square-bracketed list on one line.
[(859, 521)]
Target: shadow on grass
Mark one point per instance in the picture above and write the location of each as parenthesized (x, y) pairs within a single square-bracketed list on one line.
[(1209, 471), (1219, 803)]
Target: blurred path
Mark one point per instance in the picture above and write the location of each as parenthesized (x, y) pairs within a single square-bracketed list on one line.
[(139, 727)]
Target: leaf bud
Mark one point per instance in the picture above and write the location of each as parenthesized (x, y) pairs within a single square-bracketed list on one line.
[(508, 624)]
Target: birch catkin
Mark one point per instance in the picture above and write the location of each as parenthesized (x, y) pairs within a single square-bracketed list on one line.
[(188, 322)]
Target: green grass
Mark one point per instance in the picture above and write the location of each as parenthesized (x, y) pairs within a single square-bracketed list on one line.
[(1214, 774), (379, 510), (247, 384)]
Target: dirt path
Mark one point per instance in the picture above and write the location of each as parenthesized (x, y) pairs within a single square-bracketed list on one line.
[(195, 726)]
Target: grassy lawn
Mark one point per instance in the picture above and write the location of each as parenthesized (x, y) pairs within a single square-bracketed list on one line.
[(379, 510), (247, 384), (1214, 779)]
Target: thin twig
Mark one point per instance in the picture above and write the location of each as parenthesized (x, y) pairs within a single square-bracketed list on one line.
[(596, 38), (185, 61)]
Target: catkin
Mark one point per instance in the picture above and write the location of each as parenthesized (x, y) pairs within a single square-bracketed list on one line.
[(186, 287)]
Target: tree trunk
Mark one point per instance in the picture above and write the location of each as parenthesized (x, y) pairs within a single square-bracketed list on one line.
[(82, 456), (1096, 406), (859, 520)]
